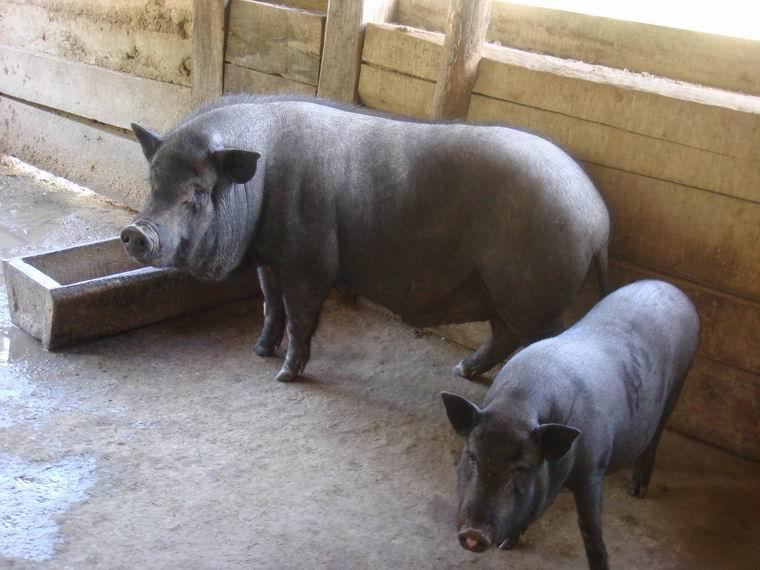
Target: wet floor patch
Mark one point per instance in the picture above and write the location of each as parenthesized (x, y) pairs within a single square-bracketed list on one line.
[(33, 496)]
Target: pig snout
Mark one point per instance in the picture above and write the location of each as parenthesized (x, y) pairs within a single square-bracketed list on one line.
[(140, 241), (474, 539)]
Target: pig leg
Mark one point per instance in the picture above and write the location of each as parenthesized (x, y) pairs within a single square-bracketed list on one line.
[(303, 304), (274, 314), (501, 344), (642, 469), (588, 503)]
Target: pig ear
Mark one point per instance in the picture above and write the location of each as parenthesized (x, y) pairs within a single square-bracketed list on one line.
[(463, 414), (149, 141), (236, 165), (555, 440)]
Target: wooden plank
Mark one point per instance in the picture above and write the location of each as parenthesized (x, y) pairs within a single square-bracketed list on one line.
[(458, 68), (720, 405), (106, 160), (395, 93), (69, 86), (706, 59), (239, 79), (275, 40), (208, 50), (700, 236), (617, 148), (310, 5), (143, 37), (341, 58), (696, 116)]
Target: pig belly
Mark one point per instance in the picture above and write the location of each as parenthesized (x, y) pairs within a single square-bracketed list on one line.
[(425, 307)]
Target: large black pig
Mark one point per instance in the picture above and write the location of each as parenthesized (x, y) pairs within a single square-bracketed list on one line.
[(567, 410), (439, 222)]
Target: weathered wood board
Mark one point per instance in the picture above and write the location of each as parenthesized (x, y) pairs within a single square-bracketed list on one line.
[(601, 144), (707, 59), (242, 80), (70, 86), (208, 50), (275, 40), (341, 58), (699, 117), (144, 37), (309, 5), (720, 405), (395, 93), (700, 236), (105, 160)]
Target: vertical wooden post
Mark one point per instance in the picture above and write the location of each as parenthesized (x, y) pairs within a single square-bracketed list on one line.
[(208, 49), (465, 32), (344, 39)]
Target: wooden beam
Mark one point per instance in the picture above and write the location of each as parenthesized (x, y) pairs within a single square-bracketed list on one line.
[(208, 49), (344, 40), (275, 40), (465, 33), (69, 86), (341, 55)]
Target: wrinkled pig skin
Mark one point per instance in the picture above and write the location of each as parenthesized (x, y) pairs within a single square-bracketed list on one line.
[(439, 222), (566, 411)]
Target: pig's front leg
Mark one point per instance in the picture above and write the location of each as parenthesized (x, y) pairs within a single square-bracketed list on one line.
[(273, 328), (588, 503), (303, 303)]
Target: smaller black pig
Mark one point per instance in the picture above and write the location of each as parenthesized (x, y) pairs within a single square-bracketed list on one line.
[(568, 410)]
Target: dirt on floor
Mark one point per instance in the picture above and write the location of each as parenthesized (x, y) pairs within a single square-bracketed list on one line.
[(172, 446)]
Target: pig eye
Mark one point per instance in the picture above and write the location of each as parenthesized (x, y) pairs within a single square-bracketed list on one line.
[(198, 199)]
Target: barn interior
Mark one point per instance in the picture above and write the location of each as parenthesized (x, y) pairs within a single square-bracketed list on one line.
[(171, 445)]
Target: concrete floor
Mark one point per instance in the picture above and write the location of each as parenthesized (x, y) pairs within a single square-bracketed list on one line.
[(172, 447)]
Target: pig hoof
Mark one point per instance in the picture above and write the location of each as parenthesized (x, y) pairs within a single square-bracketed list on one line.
[(285, 376), (461, 370), (263, 350), (636, 489)]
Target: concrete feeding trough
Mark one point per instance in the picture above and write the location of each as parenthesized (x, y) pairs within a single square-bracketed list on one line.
[(92, 290)]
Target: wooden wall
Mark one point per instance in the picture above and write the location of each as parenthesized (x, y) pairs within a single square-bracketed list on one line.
[(678, 163)]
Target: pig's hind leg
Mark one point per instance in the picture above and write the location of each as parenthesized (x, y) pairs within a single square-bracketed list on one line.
[(273, 328), (502, 343), (642, 469)]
